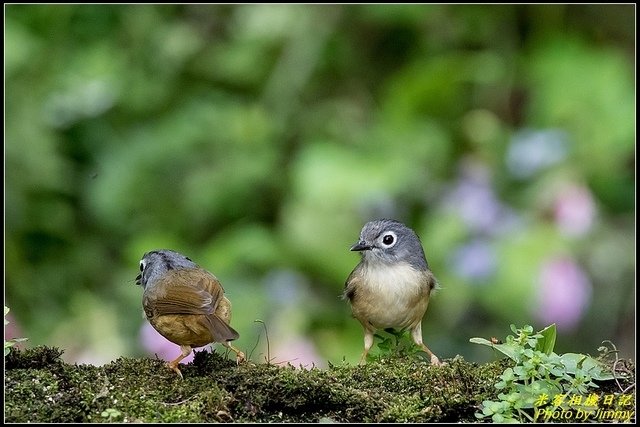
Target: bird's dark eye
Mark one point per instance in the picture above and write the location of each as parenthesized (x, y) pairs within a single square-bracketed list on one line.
[(141, 266), (388, 239)]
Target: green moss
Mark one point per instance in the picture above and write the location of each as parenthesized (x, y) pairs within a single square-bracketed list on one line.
[(40, 387)]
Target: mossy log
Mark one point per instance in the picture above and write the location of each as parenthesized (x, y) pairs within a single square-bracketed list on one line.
[(41, 387)]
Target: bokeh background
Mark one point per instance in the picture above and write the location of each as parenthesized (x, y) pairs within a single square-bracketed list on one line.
[(258, 139)]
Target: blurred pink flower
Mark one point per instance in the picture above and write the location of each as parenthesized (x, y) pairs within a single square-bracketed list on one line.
[(12, 330), (574, 210), (564, 293), (154, 343), (299, 352)]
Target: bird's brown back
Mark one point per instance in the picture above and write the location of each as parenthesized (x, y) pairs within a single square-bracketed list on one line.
[(182, 307)]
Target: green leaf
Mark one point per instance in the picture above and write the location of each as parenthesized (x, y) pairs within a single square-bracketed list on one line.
[(596, 369), (509, 350), (548, 340)]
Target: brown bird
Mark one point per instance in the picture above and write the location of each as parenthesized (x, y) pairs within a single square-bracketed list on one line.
[(391, 285), (185, 303)]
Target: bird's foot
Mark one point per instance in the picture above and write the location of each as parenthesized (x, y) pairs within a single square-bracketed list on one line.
[(435, 361), (240, 357), (174, 367)]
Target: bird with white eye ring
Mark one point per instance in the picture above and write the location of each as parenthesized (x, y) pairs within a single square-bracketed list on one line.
[(391, 285)]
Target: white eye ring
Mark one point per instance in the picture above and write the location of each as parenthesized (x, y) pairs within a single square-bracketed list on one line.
[(389, 239), (142, 264)]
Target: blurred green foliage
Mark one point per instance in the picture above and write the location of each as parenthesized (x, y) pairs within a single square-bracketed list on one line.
[(258, 139)]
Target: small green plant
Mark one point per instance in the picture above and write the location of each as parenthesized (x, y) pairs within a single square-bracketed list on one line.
[(9, 343), (111, 414), (394, 343), (539, 376)]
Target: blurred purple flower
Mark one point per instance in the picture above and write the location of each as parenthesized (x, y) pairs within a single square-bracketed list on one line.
[(564, 293), (285, 287), (532, 150), (154, 343), (475, 260), (574, 210), (474, 200)]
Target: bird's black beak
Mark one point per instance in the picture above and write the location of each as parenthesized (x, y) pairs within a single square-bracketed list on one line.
[(138, 278), (360, 246)]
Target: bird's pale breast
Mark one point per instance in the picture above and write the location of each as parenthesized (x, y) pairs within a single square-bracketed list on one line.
[(391, 296)]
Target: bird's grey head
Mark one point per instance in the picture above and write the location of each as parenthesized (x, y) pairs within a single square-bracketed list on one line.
[(390, 241), (155, 263)]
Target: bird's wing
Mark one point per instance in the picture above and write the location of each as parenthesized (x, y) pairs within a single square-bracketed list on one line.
[(180, 293), (351, 283), (429, 281), (186, 292)]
